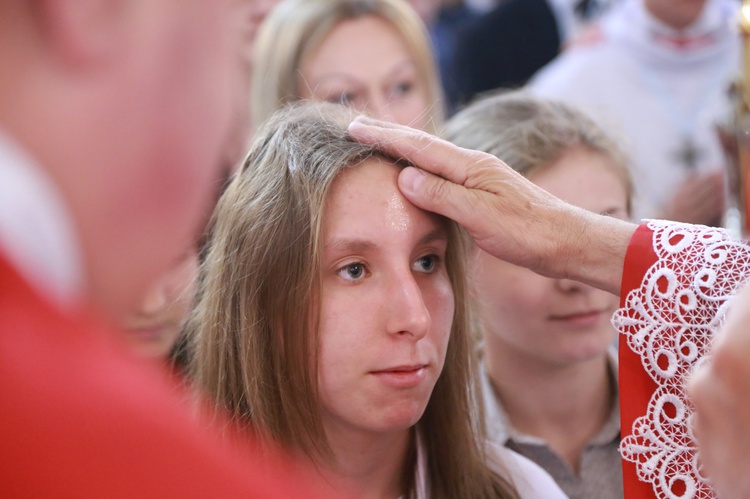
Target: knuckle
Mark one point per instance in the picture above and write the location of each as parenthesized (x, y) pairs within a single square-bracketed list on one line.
[(437, 191)]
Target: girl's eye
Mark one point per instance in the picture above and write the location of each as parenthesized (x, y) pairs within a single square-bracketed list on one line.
[(404, 87), (352, 272), (426, 264)]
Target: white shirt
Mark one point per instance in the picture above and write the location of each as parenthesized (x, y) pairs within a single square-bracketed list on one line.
[(528, 478), (651, 94), (36, 230), (600, 468)]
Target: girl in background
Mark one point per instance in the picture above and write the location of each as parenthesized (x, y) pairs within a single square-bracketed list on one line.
[(549, 371)]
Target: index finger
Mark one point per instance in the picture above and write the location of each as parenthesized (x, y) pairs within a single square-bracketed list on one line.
[(423, 150)]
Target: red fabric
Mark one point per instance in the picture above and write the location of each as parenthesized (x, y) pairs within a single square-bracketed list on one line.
[(79, 418), (636, 387)]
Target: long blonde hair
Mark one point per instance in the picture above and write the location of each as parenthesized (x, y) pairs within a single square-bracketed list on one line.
[(295, 28), (253, 334)]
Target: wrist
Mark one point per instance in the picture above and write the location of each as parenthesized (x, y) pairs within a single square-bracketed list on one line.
[(592, 249)]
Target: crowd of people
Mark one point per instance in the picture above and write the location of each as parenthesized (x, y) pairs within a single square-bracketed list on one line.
[(314, 248)]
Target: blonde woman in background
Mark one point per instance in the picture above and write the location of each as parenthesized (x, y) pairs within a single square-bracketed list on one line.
[(372, 55), (550, 369), (332, 317)]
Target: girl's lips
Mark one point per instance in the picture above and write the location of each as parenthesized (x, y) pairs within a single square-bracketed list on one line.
[(402, 377), (580, 319)]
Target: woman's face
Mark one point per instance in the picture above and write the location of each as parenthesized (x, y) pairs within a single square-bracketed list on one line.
[(364, 63), (386, 306), (553, 322)]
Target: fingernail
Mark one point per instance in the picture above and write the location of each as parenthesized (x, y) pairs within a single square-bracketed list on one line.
[(411, 178), (357, 126), (362, 119)]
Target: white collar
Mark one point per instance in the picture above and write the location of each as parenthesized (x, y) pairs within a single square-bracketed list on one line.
[(36, 229), (499, 427), (631, 24)]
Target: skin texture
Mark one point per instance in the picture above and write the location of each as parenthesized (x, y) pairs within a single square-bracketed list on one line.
[(507, 215), (386, 314), (154, 327), (364, 63), (140, 181)]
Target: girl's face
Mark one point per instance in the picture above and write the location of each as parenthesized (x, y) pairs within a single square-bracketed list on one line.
[(553, 322), (386, 305), (364, 63)]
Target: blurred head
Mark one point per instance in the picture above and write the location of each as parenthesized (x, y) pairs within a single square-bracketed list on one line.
[(551, 321), (373, 55), (327, 301), (136, 100)]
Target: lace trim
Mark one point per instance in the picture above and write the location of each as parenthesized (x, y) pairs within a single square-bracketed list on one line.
[(670, 322)]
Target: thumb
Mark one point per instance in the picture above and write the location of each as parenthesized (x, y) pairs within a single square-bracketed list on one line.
[(433, 193)]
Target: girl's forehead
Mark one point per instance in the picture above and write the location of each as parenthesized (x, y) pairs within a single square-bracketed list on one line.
[(366, 197)]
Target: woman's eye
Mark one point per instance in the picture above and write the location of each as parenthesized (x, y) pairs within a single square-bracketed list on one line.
[(352, 272), (402, 88), (426, 264)]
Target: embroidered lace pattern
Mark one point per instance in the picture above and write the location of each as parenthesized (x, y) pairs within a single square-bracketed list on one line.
[(670, 322)]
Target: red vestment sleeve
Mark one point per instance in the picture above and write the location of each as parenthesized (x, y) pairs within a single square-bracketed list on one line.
[(635, 385), (81, 418), (677, 281)]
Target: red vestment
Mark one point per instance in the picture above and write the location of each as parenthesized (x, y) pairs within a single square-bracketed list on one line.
[(79, 418), (676, 285)]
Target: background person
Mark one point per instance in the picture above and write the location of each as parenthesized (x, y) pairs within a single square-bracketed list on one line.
[(550, 370), (516, 38), (109, 145), (658, 74), (374, 56)]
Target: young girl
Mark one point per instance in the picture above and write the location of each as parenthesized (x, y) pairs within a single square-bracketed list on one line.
[(550, 377), (372, 55), (332, 316)]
